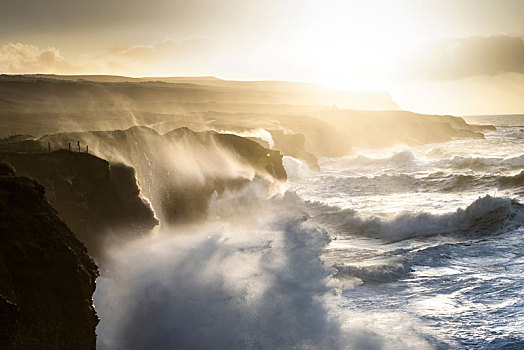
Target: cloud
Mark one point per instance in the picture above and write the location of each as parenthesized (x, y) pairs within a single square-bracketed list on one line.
[(465, 57), (190, 56), (24, 58), (195, 56)]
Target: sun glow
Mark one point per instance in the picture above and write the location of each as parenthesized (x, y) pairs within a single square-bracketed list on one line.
[(357, 44)]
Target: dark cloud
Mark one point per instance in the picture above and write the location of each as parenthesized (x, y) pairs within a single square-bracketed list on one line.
[(466, 57), (34, 15)]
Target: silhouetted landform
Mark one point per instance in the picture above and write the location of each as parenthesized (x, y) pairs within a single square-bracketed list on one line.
[(46, 277), (294, 145), (267, 92), (179, 171), (397, 127), (51, 104), (99, 201)]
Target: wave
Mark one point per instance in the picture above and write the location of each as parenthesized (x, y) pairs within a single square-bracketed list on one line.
[(486, 215), (366, 185), (227, 284), (382, 272), (511, 181), (462, 182), (482, 162), (295, 168), (259, 283), (434, 182), (515, 135), (405, 157)]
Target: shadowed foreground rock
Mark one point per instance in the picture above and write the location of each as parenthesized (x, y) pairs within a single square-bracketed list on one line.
[(99, 201), (46, 277)]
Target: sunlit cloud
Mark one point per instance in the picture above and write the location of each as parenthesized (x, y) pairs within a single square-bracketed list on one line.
[(194, 56), (187, 57), (24, 58)]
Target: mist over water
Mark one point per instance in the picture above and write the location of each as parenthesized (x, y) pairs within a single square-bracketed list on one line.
[(395, 248)]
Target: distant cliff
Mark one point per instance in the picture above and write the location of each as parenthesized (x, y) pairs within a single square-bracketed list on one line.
[(46, 277), (50, 104), (99, 201), (386, 129), (42, 104)]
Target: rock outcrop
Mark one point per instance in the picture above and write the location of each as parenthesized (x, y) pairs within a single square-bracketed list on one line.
[(47, 278), (294, 145), (99, 201), (180, 170)]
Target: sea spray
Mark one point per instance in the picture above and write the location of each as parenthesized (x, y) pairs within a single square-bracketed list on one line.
[(225, 284)]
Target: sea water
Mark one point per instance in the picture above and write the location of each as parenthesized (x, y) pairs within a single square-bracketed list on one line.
[(408, 247)]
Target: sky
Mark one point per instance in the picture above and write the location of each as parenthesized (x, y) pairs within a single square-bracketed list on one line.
[(434, 56)]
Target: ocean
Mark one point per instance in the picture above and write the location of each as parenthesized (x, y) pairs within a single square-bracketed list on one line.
[(400, 248)]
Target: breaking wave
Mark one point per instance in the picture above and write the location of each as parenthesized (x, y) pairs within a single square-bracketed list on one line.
[(226, 284), (381, 272), (295, 168), (481, 162), (462, 182), (486, 215), (403, 157)]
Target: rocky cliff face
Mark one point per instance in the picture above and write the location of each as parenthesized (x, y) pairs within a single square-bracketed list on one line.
[(178, 171), (46, 277), (99, 201), (294, 145)]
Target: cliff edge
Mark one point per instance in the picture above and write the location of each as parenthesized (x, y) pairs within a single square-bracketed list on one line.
[(99, 201), (46, 277)]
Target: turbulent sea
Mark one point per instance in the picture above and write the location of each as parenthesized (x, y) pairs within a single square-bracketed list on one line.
[(401, 248)]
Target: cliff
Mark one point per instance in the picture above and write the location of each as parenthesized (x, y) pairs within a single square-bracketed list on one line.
[(294, 145), (45, 104), (53, 103), (378, 129), (178, 171), (99, 201), (46, 277)]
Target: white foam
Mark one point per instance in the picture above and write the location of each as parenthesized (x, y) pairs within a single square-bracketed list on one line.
[(222, 285), (296, 169), (478, 162), (484, 214)]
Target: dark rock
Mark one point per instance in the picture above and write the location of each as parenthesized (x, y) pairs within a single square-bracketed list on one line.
[(46, 277), (100, 202), (6, 170)]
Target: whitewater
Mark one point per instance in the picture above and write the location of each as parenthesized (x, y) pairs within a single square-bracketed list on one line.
[(400, 248)]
